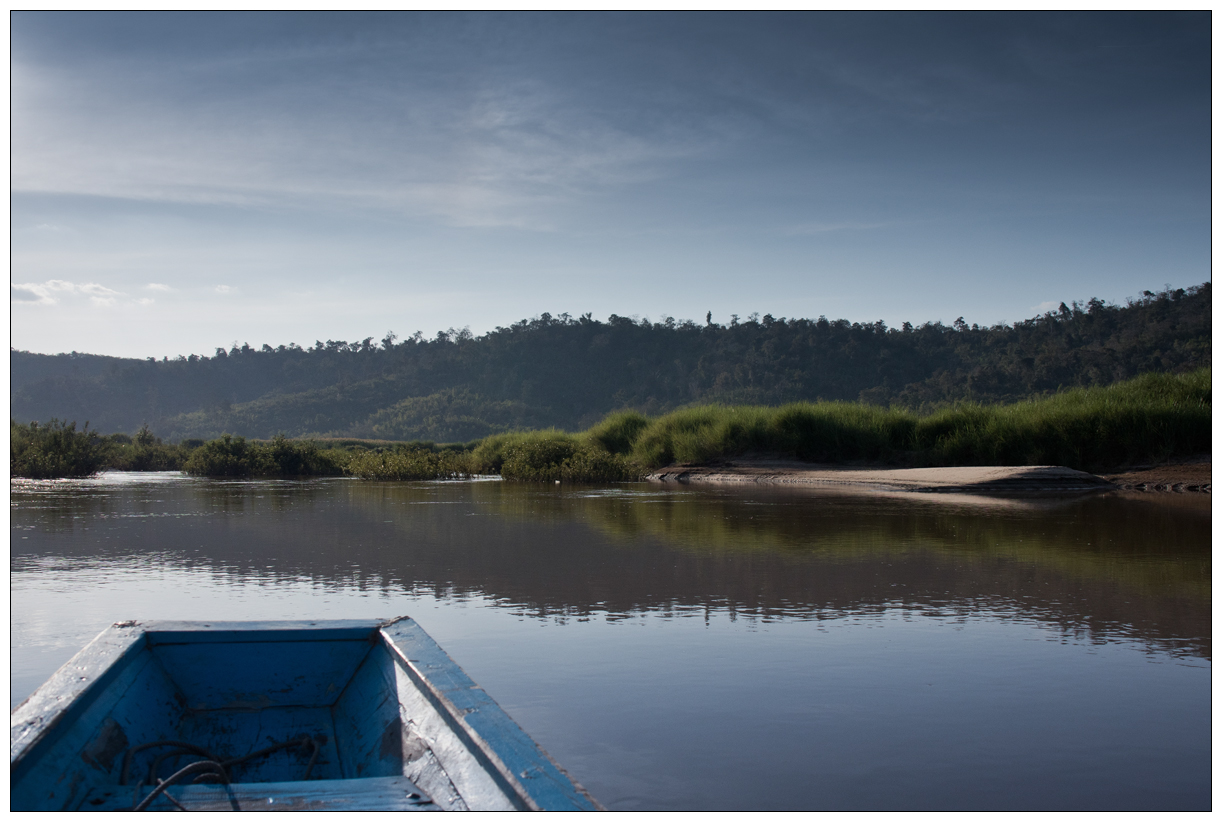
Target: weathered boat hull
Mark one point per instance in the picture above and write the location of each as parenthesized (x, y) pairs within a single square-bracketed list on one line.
[(338, 715)]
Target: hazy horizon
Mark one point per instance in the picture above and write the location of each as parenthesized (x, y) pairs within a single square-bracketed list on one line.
[(183, 181)]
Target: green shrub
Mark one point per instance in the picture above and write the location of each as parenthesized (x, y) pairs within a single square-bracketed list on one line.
[(290, 458), (538, 460), (589, 463), (488, 457), (231, 456), (53, 450), (550, 455), (225, 457), (143, 452), (567, 458)]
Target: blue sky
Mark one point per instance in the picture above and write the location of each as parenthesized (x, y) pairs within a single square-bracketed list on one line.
[(183, 181)]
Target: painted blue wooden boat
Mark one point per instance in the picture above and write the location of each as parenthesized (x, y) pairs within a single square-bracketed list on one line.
[(337, 715)]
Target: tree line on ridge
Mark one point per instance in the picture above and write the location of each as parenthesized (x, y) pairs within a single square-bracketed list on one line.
[(569, 372)]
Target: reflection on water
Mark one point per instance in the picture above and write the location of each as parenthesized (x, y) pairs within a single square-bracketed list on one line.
[(806, 648)]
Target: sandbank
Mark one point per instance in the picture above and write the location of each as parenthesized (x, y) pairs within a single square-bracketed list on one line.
[(1192, 476)]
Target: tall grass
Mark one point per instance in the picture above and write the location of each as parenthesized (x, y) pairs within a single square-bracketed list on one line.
[(827, 432), (1148, 419), (618, 432)]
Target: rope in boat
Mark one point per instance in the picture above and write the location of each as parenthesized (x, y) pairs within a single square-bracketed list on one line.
[(209, 769)]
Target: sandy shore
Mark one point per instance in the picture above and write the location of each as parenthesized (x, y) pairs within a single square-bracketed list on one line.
[(1193, 476)]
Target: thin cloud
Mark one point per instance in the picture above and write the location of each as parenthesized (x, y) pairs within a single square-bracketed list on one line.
[(158, 287), (52, 291), (491, 151), (225, 289), (29, 293)]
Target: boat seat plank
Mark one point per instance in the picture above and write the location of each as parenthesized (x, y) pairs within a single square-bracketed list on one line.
[(383, 793)]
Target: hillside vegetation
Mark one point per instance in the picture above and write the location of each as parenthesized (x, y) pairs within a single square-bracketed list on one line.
[(569, 373)]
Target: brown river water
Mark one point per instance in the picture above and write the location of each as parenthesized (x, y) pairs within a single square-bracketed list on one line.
[(704, 648)]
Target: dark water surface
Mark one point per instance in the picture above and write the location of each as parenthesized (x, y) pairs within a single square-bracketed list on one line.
[(688, 649)]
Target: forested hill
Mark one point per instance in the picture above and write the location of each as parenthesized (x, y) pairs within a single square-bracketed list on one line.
[(569, 372)]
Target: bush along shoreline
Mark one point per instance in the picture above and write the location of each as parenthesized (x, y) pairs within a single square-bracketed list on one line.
[(236, 457), (1150, 419), (53, 450)]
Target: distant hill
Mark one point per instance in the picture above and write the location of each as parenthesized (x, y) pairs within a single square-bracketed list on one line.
[(569, 372), (26, 368)]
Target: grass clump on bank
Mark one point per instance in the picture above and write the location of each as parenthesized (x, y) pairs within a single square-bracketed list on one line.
[(1148, 419), (53, 450), (814, 432), (236, 457)]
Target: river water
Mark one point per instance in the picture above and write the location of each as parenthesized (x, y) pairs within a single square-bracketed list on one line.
[(704, 648)]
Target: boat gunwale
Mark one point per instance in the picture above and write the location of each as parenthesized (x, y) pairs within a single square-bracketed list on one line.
[(90, 670), (453, 715)]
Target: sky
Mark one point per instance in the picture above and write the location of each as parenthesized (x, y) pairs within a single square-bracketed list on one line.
[(187, 181)]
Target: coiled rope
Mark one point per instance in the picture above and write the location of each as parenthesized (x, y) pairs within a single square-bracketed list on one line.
[(208, 769)]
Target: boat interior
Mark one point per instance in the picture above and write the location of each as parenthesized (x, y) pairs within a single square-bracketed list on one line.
[(331, 719)]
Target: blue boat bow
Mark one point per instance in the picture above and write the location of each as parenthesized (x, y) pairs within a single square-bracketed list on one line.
[(334, 715)]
